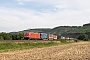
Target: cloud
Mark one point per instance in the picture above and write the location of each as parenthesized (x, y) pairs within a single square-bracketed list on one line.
[(73, 4), (44, 14), (20, 3), (18, 19)]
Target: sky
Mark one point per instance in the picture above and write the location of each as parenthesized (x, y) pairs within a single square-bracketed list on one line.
[(18, 15)]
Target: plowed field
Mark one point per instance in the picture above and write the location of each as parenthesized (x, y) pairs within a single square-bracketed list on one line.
[(74, 51)]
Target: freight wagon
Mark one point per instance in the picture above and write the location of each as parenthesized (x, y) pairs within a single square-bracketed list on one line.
[(54, 37), (43, 36), (60, 37), (50, 37)]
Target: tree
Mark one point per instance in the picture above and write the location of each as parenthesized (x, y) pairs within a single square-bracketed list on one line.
[(1, 38), (83, 37), (6, 36), (18, 36), (14, 36)]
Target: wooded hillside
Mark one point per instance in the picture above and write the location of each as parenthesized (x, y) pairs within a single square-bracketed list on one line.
[(68, 31)]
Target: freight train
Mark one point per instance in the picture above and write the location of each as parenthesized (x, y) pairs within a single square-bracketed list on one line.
[(44, 36), (39, 36)]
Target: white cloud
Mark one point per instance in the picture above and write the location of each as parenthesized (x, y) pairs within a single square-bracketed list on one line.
[(21, 19), (67, 12), (21, 3)]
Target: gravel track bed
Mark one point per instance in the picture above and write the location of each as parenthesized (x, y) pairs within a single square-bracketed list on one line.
[(74, 51)]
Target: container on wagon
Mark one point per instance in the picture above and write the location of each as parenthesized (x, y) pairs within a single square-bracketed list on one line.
[(43, 35), (54, 37), (60, 37), (50, 36), (72, 38), (63, 38), (67, 38)]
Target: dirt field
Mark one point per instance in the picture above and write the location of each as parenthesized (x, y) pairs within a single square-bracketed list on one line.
[(74, 51)]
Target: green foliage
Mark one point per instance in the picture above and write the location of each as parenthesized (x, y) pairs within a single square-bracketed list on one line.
[(76, 40), (18, 36), (87, 25), (83, 37), (1, 38), (64, 42), (6, 36)]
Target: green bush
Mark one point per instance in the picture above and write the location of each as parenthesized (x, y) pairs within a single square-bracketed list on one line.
[(83, 37), (1, 38), (76, 40), (63, 41)]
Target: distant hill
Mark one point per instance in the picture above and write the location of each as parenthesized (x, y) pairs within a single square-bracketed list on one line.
[(62, 29), (86, 25), (70, 31), (39, 30)]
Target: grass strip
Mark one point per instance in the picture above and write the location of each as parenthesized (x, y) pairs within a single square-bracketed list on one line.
[(4, 47)]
